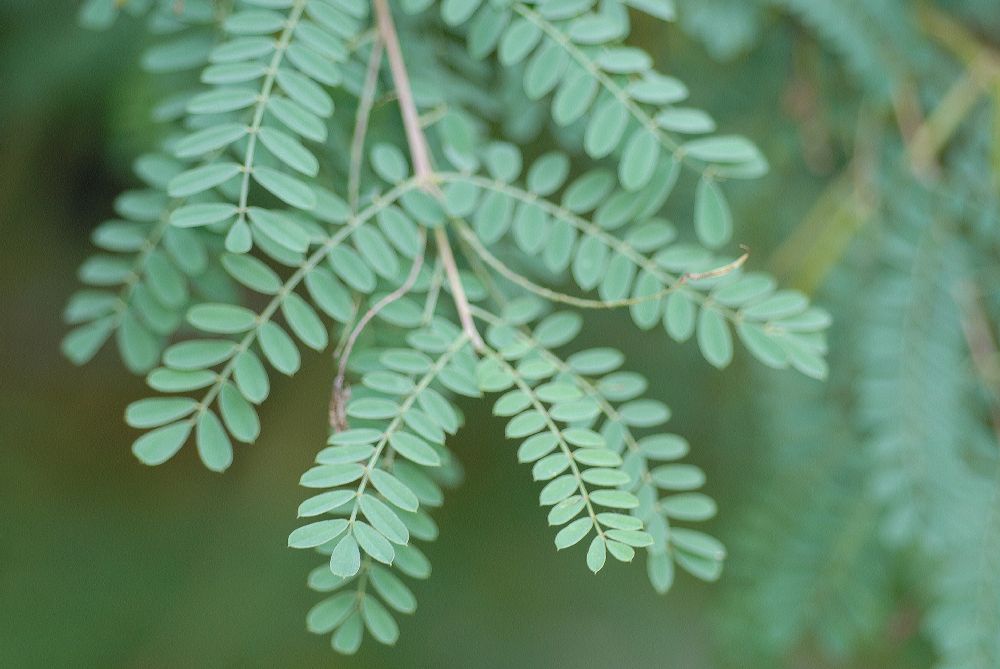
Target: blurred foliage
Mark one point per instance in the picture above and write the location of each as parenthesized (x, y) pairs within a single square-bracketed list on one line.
[(861, 515)]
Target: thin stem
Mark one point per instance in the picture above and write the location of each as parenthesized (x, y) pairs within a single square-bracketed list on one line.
[(404, 92), (582, 302), (345, 333), (260, 107), (361, 120), (492, 319), (339, 401), (951, 34), (420, 155), (614, 243), (139, 266), (457, 291), (266, 315), (481, 271), (608, 409)]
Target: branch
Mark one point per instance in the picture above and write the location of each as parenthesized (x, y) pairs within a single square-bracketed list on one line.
[(361, 120), (407, 107), (582, 302), (958, 39), (931, 138), (614, 243), (338, 405), (260, 108), (982, 346), (422, 160)]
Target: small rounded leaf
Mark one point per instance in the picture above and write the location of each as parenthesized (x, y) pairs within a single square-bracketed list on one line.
[(221, 318), (158, 411), (345, 560), (712, 219), (597, 554), (158, 446), (414, 449), (574, 532), (316, 534), (214, 446), (714, 338)]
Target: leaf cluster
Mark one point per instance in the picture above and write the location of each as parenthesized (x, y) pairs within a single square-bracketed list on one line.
[(281, 214)]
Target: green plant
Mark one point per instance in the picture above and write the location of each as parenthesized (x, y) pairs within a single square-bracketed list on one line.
[(892, 471), (440, 258)]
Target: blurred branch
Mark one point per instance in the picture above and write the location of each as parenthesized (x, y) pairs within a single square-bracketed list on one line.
[(820, 240), (982, 76), (982, 346), (958, 39), (996, 136), (930, 139), (906, 106)]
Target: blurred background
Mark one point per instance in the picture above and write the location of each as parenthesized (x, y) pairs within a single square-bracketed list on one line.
[(880, 121)]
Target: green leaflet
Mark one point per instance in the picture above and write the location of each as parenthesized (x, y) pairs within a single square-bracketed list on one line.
[(389, 163), (287, 188), (289, 150), (714, 339), (157, 411), (160, 445), (712, 221), (197, 215), (221, 318)]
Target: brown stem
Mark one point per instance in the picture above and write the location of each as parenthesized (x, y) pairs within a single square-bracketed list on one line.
[(420, 155), (407, 106)]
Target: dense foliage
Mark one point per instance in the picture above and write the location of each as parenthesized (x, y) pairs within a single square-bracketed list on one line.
[(434, 192)]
